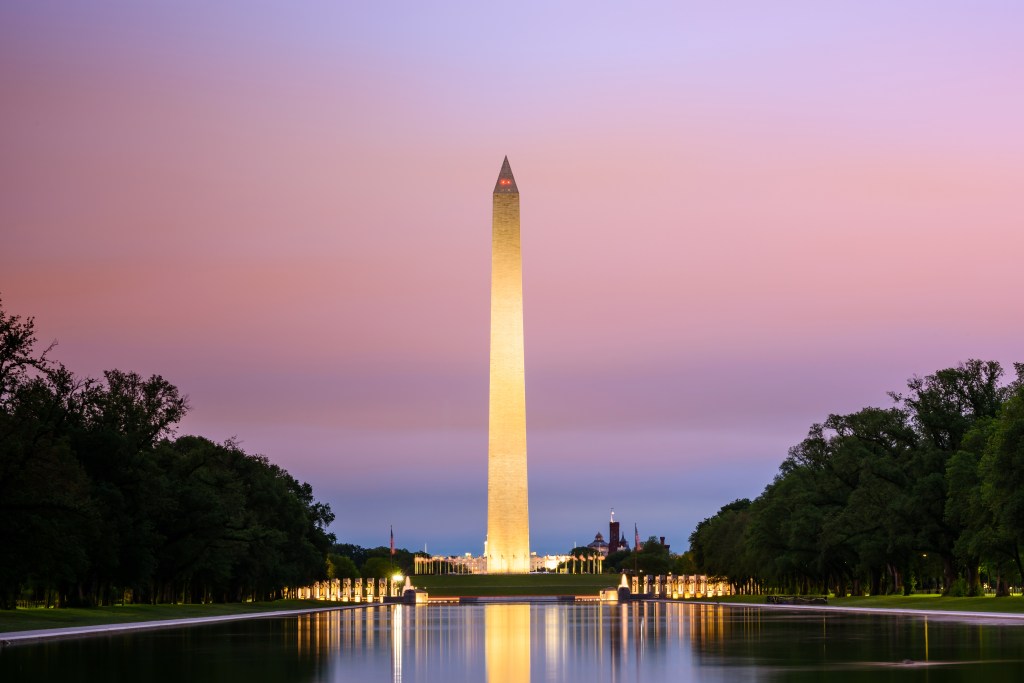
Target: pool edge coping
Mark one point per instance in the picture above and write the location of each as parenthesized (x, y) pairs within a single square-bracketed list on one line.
[(951, 614), (28, 636)]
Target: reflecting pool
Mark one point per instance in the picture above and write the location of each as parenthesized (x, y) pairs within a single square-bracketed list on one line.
[(537, 643)]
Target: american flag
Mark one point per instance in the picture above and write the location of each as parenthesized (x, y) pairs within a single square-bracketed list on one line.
[(392, 541), (636, 538)]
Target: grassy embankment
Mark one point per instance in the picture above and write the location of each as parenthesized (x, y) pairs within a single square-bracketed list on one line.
[(483, 585), (28, 619), (931, 601)]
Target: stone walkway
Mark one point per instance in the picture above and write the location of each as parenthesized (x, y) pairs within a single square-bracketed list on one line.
[(944, 614), (17, 637)]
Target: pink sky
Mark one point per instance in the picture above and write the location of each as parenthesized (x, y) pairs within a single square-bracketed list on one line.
[(738, 217)]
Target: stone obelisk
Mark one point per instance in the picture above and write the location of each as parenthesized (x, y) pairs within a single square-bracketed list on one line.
[(508, 518)]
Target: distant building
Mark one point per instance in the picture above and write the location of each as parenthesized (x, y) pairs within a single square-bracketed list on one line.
[(615, 541), (598, 545)]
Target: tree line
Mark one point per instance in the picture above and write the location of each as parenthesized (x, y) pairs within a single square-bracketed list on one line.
[(100, 503), (350, 561), (927, 494), (652, 557)]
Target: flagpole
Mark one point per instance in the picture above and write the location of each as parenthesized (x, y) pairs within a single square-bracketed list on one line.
[(636, 548)]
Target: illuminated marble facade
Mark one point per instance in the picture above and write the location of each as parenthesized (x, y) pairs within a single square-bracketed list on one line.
[(508, 522)]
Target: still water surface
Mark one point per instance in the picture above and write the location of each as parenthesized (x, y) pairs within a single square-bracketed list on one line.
[(538, 643)]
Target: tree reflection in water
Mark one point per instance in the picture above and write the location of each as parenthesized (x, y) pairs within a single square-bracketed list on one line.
[(539, 643)]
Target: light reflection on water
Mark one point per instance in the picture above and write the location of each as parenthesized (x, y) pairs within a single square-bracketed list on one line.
[(506, 643), (538, 643)]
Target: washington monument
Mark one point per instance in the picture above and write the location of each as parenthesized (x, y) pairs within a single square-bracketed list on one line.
[(508, 518)]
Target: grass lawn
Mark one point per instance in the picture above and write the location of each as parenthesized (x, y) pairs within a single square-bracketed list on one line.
[(922, 601), (481, 585), (28, 619)]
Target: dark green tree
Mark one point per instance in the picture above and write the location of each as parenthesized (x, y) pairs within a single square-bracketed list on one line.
[(718, 544), (683, 563), (1001, 471), (653, 557), (48, 515), (100, 505), (619, 561), (341, 567), (377, 568), (944, 406)]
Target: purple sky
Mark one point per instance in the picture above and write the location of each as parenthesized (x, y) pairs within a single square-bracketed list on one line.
[(738, 217)]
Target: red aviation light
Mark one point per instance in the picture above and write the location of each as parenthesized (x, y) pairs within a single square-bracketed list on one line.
[(506, 181)]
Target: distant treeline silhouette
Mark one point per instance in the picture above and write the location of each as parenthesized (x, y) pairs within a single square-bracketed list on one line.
[(926, 494), (100, 504)]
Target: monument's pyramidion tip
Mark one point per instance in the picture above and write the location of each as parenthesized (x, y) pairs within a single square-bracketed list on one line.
[(506, 181)]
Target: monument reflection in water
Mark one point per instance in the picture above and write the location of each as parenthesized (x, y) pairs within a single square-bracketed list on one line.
[(507, 642)]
